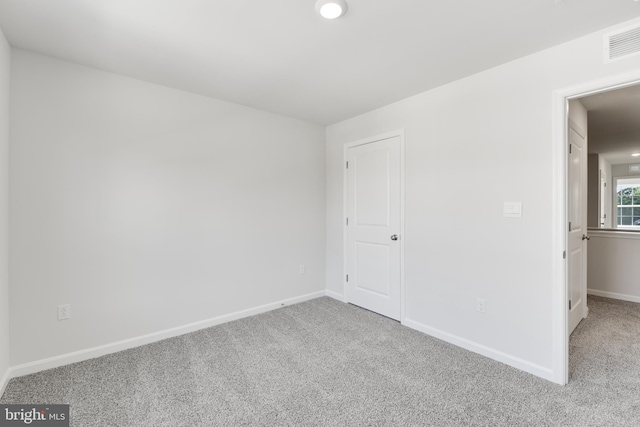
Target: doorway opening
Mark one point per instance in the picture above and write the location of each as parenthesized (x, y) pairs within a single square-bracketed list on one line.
[(602, 103)]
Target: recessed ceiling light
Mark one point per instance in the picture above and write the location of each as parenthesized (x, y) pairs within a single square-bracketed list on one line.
[(331, 9), (635, 155)]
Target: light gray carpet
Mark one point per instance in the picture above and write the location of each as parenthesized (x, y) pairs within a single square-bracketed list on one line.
[(324, 363)]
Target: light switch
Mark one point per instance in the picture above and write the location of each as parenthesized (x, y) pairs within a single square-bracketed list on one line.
[(513, 209)]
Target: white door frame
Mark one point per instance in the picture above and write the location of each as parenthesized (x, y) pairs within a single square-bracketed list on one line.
[(560, 209), (345, 155)]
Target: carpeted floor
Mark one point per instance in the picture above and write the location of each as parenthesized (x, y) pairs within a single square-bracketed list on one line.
[(325, 363)]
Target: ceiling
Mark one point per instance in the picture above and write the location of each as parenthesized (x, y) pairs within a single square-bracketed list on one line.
[(280, 56), (614, 124)]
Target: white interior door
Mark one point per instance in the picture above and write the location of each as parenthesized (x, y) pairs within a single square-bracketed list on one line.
[(577, 212), (373, 226)]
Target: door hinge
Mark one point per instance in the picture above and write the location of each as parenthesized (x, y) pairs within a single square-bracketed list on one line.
[(564, 254), (569, 304), (569, 225), (569, 148), (347, 165), (347, 277), (347, 221)]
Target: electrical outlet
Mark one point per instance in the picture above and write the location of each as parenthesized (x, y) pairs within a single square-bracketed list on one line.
[(481, 305), (64, 311), (302, 269)]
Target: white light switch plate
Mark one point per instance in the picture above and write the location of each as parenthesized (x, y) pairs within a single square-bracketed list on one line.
[(513, 209)]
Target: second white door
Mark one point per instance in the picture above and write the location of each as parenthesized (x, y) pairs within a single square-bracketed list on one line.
[(577, 238), (374, 225)]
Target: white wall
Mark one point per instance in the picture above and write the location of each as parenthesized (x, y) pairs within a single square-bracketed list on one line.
[(613, 267), (623, 170), (147, 208), (4, 209), (482, 140)]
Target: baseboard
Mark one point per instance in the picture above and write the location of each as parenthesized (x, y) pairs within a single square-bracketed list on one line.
[(335, 295), (613, 295), (507, 359), (4, 381), (91, 353)]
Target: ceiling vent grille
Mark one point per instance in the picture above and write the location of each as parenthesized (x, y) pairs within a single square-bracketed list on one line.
[(622, 44)]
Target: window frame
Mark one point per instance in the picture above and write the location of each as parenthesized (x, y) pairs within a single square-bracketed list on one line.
[(631, 181)]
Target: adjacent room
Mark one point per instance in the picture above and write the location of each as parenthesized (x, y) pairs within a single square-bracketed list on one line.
[(614, 193), (320, 212)]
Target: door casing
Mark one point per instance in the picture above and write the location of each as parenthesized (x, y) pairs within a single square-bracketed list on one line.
[(560, 288)]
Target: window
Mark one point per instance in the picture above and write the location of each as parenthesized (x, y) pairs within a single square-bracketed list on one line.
[(628, 203)]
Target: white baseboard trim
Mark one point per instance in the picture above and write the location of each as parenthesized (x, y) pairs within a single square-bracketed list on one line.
[(523, 365), (335, 295), (91, 353), (613, 295), (4, 381)]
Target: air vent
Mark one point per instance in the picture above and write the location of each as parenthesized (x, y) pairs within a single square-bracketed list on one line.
[(622, 44)]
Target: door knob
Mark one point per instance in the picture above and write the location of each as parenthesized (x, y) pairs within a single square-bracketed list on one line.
[(585, 237), (394, 237)]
